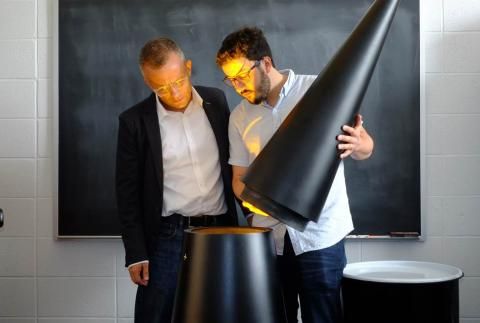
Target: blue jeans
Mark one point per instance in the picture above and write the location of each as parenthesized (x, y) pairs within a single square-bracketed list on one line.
[(315, 277), (154, 303)]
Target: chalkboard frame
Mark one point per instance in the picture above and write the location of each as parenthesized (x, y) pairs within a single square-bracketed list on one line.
[(56, 160)]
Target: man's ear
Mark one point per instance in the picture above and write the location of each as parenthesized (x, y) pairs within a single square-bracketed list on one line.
[(145, 79), (188, 65), (267, 61)]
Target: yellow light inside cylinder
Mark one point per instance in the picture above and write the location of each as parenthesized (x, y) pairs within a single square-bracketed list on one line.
[(254, 209)]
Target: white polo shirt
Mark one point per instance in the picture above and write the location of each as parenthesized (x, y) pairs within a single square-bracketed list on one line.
[(250, 128)]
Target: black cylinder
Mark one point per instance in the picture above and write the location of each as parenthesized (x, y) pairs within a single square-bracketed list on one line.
[(229, 275), (383, 293), (291, 177)]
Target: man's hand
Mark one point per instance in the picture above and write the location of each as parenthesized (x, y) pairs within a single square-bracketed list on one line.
[(355, 141), (139, 273)]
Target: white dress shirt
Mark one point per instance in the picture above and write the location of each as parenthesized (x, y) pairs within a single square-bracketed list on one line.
[(193, 183)]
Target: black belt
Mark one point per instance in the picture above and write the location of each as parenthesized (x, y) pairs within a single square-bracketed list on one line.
[(194, 221), (200, 221)]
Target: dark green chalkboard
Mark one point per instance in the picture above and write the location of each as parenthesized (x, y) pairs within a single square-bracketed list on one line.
[(99, 43)]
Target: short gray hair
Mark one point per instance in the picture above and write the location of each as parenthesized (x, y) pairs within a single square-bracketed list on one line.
[(155, 52)]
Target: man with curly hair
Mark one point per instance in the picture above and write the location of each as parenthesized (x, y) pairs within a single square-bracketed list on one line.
[(311, 263)]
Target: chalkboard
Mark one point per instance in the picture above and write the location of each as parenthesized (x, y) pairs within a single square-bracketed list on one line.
[(99, 42)]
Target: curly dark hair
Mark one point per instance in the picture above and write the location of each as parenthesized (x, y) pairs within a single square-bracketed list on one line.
[(249, 42)]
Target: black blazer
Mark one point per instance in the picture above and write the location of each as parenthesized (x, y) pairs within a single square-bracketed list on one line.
[(139, 169)]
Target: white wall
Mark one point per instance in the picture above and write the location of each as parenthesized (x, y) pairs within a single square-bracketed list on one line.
[(44, 280)]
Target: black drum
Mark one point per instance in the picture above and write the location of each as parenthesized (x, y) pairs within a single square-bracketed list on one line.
[(401, 292), (228, 275)]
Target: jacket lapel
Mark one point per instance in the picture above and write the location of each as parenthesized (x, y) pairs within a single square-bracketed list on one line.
[(152, 127), (216, 127)]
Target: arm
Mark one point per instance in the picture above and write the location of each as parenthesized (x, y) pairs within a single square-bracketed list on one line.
[(128, 202), (355, 142), (239, 159), (226, 114), (237, 184)]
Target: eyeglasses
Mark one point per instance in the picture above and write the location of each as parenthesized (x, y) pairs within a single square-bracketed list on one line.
[(165, 89), (242, 76)]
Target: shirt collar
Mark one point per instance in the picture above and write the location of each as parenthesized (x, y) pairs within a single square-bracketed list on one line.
[(195, 102), (289, 83)]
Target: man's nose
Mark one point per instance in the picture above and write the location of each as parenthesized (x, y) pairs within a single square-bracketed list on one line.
[(176, 93), (239, 86)]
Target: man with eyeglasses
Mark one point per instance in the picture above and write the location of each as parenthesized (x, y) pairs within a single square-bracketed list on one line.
[(172, 173), (310, 263)]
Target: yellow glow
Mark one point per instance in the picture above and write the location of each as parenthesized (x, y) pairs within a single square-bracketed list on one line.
[(254, 209), (250, 126), (244, 86), (252, 142), (253, 146), (233, 66)]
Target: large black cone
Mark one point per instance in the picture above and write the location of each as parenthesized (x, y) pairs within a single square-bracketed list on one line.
[(228, 275), (291, 177)]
